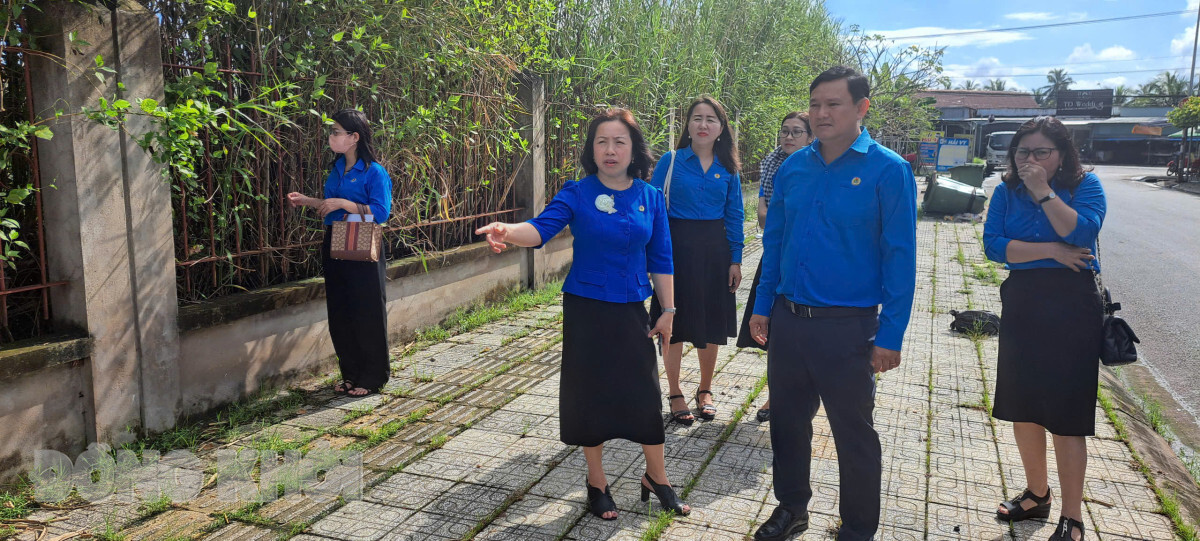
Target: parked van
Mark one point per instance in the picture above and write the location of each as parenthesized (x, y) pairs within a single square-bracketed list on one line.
[(997, 149)]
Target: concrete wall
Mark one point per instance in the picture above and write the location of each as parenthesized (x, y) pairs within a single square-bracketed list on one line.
[(225, 362)]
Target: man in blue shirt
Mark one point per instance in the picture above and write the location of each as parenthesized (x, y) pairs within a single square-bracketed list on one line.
[(840, 241)]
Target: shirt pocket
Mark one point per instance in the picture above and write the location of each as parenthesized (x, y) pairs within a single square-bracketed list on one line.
[(850, 205), (593, 277), (643, 278)]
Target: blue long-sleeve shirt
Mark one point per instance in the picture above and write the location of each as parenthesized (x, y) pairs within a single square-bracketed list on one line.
[(700, 195), (843, 234), (365, 184), (613, 251), (1014, 215)]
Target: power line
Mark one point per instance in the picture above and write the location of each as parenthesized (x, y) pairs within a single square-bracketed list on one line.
[(1059, 64), (996, 76), (1036, 26)]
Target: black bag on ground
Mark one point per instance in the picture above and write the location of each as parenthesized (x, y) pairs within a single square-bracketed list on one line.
[(1120, 343), (975, 321)]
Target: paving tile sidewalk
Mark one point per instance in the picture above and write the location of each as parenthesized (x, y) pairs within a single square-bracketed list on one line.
[(464, 444)]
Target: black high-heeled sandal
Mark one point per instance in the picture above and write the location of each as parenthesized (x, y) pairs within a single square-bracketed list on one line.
[(1016, 513), (707, 412), (600, 501), (683, 416), (666, 496), (1063, 531)]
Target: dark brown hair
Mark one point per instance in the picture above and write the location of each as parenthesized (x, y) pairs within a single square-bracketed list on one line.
[(1070, 173), (725, 147), (639, 158), (803, 116), (355, 121)]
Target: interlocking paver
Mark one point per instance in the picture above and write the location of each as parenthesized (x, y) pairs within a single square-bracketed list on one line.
[(502, 471)]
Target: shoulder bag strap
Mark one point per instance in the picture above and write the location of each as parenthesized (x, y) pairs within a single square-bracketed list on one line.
[(667, 182), (1100, 279)]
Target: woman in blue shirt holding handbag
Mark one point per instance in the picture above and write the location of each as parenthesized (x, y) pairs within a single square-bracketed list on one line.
[(1043, 221), (609, 384), (704, 202), (354, 290)]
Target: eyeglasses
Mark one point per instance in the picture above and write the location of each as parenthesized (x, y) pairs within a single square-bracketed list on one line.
[(795, 134), (337, 133), (1038, 153)]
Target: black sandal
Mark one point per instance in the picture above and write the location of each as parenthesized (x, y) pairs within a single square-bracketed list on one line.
[(600, 501), (763, 415), (1065, 525), (1016, 513), (707, 412), (666, 496), (343, 387), (683, 416)]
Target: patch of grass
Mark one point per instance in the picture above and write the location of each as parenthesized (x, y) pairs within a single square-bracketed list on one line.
[(985, 273), (249, 515), (358, 412), (153, 507), (438, 441), (271, 440), (16, 504), (421, 376), (109, 533), (1169, 506), (658, 526), (750, 208), (471, 317)]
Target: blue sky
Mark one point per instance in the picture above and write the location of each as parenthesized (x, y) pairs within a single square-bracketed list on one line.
[(1101, 55)]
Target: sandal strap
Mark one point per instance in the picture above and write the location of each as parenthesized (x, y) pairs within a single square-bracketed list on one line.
[(705, 391), (674, 396), (1065, 526), (1028, 494)]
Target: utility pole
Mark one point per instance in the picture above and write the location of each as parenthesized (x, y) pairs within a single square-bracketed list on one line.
[(1185, 159)]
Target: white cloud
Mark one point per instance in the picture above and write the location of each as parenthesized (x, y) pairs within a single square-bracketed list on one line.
[(1034, 15), (1191, 5), (1077, 15), (981, 39), (1113, 82), (1182, 43), (988, 68), (1085, 53)]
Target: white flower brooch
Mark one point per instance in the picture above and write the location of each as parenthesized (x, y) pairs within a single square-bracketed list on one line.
[(605, 203)]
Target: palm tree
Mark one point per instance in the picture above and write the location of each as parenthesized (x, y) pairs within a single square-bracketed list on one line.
[(1058, 81), (1168, 87), (1123, 94), (969, 84), (996, 84)]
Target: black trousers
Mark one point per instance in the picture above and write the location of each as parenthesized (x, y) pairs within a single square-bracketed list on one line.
[(357, 307), (815, 360)]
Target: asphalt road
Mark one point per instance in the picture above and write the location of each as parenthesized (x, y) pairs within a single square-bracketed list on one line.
[(1150, 257)]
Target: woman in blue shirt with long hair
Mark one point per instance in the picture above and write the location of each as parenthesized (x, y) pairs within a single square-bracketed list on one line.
[(354, 290), (1043, 221), (704, 203), (609, 383)]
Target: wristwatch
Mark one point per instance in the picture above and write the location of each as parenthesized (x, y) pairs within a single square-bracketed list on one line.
[(668, 310), (1043, 200)]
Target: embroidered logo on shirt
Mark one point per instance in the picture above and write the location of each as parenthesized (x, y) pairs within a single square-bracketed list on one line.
[(641, 208), (718, 175), (856, 181), (355, 179), (605, 203)]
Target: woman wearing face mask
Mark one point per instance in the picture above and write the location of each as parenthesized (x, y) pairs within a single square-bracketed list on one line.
[(704, 203), (1043, 221), (794, 135), (609, 385), (354, 290)]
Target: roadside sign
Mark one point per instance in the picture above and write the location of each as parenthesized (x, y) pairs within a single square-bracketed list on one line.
[(928, 153), (953, 152)]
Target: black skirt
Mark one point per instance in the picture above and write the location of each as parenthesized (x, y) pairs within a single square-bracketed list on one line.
[(707, 310), (1049, 350), (745, 339), (357, 306), (609, 382)]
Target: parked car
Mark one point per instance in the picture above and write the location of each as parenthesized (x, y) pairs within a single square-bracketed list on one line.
[(997, 150)]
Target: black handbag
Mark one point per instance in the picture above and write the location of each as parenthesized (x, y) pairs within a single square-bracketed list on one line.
[(1119, 343)]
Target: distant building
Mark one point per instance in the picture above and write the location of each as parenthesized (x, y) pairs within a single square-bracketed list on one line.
[(1134, 135)]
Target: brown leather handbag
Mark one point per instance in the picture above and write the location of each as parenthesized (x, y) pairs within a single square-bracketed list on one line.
[(356, 241)]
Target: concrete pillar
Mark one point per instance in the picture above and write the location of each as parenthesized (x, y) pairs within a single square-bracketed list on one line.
[(108, 218), (530, 189)]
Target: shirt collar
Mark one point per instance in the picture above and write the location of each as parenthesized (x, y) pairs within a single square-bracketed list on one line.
[(340, 165), (861, 145), (684, 153)]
